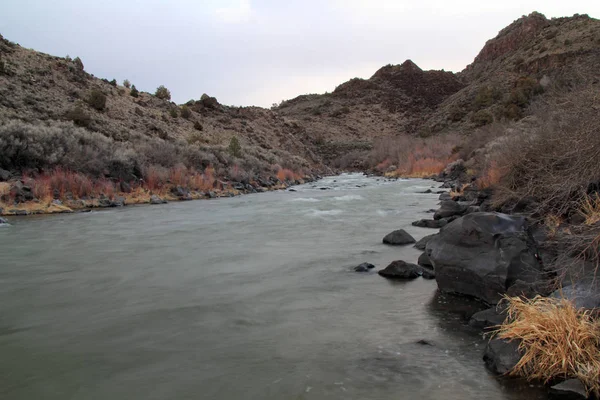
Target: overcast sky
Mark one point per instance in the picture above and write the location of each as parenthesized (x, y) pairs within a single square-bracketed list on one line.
[(257, 52)]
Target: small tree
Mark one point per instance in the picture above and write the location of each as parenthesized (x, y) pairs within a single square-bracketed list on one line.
[(163, 93), (134, 91), (126, 83), (186, 112), (235, 149), (97, 100)]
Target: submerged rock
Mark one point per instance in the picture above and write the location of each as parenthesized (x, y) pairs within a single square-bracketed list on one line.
[(484, 254), (487, 318), (501, 356), (364, 267), (571, 389), (400, 270), (3, 221), (398, 237)]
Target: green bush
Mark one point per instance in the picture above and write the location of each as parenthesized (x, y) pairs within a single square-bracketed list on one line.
[(134, 92), (186, 112), (96, 99), (235, 149), (482, 117), (126, 83), (163, 93), (79, 116), (486, 97), (198, 126), (113, 83), (173, 112)]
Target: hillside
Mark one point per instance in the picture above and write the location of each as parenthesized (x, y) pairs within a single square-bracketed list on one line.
[(56, 117), (525, 60)]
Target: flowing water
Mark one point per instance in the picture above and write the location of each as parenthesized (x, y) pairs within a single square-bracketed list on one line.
[(251, 297)]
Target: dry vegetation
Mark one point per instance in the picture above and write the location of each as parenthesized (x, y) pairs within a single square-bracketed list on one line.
[(557, 340), (556, 160), (407, 156)]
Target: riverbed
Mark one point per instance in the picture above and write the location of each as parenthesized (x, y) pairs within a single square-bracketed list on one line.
[(252, 297)]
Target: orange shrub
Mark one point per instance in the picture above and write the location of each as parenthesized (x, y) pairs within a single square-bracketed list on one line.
[(415, 157), (287, 174), (105, 187), (490, 176)]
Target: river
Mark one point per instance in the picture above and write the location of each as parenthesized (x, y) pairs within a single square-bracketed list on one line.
[(251, 297)]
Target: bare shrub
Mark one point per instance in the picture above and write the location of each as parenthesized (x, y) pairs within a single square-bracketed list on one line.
[(556, 160)]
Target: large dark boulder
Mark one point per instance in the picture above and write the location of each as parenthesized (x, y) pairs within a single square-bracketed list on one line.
[(399, 237), (420, 245), (501, 356), (400, 270), (483, 254), (449, 208)]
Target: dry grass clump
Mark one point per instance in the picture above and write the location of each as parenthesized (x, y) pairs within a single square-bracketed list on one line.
[(557, 340), (590, 208)]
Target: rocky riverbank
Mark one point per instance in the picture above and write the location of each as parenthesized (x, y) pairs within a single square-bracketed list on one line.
[(17, 196), (487, 253)]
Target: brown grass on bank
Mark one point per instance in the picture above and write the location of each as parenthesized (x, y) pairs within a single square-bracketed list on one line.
[(557, 340), (414, 157)]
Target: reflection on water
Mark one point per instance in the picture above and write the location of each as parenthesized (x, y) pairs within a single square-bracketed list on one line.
[(245, 298)]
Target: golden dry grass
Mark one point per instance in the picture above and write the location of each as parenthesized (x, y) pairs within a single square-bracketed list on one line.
[(590, 208), (557, 340)]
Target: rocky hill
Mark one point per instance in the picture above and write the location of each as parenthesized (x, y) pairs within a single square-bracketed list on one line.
[(121, 134), (533, 56)]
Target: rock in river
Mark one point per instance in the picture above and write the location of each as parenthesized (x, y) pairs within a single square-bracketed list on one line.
[(449, 208), (154, 199), (501, 356), (571, 389), (364, 267), (400, 270), (399, 237), (483, 254), (430, 223)]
